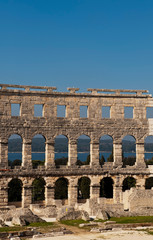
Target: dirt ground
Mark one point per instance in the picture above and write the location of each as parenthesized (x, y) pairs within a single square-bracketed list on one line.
[(119, 235), (79, 234)]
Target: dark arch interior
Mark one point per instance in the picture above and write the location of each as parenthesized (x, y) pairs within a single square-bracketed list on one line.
[(84, 188), (38, 189), (106, 187), (149, 183), (61, 188), (15, 190), (128, 183)]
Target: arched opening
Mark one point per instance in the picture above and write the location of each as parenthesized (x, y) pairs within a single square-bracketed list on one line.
[(61, 189), (38, 190), (149, 183), (105, 149), (61, 150), (83, 150), (14, 150), (128, 150), (106, 187), (148, 147), (128, 183), (84, 188), (38, 150), (15, 192)]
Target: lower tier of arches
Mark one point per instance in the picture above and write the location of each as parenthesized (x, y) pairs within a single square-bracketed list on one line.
[(71, 190)]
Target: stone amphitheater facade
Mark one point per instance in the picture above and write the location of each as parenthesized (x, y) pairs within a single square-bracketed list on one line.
[(49, 125)]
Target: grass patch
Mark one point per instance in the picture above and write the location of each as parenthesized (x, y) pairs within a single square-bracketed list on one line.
[(137, 219), (40, 225), (99, 220), (73, 222), (12, 229), (150, 232)]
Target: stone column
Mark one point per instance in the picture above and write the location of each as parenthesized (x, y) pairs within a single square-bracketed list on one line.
[(3, 154), (49, 154), (3, 196), (140, 155), (26, 154), (94, 154), (72, 194), (117, 190), (26, 196), (117, 193), (72, 153), (95, 191), (117, 152), (49, 195)]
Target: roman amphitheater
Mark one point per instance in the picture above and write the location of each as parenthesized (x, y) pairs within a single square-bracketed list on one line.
[(72, 125)]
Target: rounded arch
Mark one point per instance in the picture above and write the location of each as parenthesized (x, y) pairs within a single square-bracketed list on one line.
[(148, 148), (38, 134), (128, 150), (83, 150), (38, 189), (128, 183), (61, 150), (38, 150), (84, 188), (61, 188), (149, 183), (15, 150), (106, 149), (15, 190), (106, 187)]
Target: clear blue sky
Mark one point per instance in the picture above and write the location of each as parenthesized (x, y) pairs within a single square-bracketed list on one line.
[(80, 43)]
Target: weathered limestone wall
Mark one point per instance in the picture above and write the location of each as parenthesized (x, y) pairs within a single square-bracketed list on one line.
[(138, 200), (27, 125)]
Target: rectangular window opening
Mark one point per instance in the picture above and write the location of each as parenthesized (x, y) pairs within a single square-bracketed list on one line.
[(38, 110), (61, 111), (15, 109), (105, 112), (128, 112), (83, 111), (149, 112)]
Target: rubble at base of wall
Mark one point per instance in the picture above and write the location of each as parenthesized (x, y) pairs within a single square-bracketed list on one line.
[(69, 213), (41, 211), (20, 216)]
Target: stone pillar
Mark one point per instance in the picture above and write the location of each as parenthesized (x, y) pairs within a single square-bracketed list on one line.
[(95, 191), (117, 190), (140, 155), (117, 152), (49, 195), (26, 196), (26, 154), (49, 154), (72, 153), (3, 196), (94, 154), (72, 194), (3, 154), (117, 193)]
